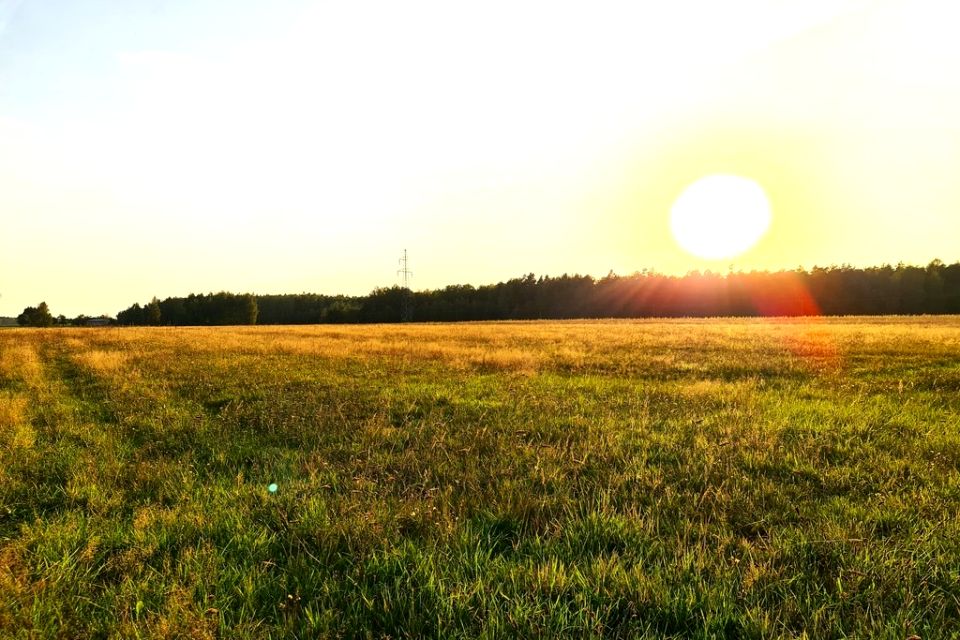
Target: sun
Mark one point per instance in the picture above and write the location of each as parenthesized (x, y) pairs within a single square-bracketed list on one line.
[(720, 216)]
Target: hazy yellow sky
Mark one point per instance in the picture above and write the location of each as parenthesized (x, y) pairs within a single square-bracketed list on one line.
[(162, 148)]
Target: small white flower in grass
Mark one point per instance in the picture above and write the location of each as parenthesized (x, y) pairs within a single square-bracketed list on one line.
[(272, 488)]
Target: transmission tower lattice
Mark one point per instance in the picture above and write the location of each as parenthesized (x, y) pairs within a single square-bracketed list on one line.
[(406, 303)]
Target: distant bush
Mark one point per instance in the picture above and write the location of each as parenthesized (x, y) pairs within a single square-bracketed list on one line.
[(38, 316)]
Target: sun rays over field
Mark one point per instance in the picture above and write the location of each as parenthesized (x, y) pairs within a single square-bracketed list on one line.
[(299, 146)]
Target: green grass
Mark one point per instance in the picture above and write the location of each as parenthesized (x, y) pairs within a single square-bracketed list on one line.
[(684, 479)]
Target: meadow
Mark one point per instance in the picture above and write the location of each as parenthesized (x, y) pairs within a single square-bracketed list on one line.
[(618, 479)]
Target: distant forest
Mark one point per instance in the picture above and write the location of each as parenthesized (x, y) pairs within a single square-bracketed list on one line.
[(906, 290)]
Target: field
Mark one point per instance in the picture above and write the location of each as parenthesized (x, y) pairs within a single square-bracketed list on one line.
[(650, 479)]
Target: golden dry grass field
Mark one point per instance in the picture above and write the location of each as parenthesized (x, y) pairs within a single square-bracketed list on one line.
[(618, 479)]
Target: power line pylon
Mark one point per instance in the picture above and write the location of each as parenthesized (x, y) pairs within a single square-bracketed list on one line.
[(406, 303)]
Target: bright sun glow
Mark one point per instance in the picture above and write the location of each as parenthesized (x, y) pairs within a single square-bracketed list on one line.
[(175, 140), (720, 216)]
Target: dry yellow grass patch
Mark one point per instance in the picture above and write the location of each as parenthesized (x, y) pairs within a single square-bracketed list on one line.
[(458, 346), (101, 362), (15, 429), (727, 390), (680, 346), (20, 362), (14, 586)]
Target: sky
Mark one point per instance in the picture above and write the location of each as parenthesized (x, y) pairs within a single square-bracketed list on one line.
[(159, 148)]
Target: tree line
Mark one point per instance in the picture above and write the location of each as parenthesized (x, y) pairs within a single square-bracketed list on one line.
[(204, 309), (839, 290), (40, 316)]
